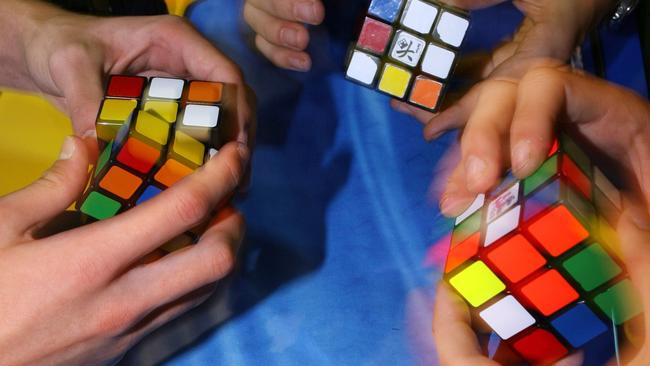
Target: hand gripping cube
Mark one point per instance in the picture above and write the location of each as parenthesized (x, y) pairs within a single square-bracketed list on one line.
[(152, 133), (408, 49), (538, 259)]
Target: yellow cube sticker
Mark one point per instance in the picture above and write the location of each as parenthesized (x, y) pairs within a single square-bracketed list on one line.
[(189, 148), (165, 110), (152, 127), (117, 109), (477, 284), (395, 80)]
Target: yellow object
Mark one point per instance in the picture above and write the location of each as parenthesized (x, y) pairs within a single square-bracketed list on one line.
[(178, 7), (608, 236), (32, 134), (395, 81), (117, 109), (477, 283), (189, 148), (165, 110), (152, 127)]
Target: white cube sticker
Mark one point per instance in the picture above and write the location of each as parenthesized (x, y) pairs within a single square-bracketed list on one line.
[(419, 16), (165, 88), (197, 115), (451, 28), (478, 203), (363, 68), (502, 226), (407, 48), (503, 202), (507, 317), (438, 61)]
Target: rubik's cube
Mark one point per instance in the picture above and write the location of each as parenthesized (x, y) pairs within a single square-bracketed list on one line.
[(408, 49), (152, 133), (539, 261)]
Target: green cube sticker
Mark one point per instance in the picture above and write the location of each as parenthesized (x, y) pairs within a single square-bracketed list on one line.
[(541, 175), (99, 206), (591, 267), (466, 228), (620, 302), (103, 158)]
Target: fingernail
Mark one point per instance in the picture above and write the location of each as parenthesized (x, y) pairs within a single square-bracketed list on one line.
[(90, 133), (212, 153), (450, 205), (289, 37), (521, 156), (299, 63), (243, 152), (68, 148), (475, 169), (305, 12)]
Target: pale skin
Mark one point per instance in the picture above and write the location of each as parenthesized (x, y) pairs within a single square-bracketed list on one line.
[(86, 295), (509, 113)]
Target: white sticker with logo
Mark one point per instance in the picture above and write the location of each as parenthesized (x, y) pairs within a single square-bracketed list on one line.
[(503, 202)]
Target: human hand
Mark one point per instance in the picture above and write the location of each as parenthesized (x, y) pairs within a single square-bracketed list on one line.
[(550, 29), (513, 124), (281, 35), (67, 56), (85, 296)]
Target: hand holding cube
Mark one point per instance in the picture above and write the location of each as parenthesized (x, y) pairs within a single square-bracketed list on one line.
[(544, 249)]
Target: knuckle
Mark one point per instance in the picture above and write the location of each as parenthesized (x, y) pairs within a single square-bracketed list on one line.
[(113, 319), (173, 23), (220, 262), (54, 179), (87, 272), (235, 170), (192, 206)]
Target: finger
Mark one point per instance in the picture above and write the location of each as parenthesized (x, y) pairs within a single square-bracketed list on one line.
[(283, 57), (485, 139), (77, 71), (418, 113), (279, 32), (456, 197), (455, 340), (28, 209), (168, 313), (305, 11), (455, 116), (574, 359), (186, 270), (123, 239), (540, 100)]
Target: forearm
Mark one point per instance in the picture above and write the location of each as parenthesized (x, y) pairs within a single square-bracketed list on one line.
[(19, 19)]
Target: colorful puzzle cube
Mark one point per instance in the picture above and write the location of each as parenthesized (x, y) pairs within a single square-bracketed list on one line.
[(408, 49), (538, 259), (152, 132)]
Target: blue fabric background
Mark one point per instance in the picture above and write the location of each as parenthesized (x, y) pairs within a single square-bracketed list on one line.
[(345, 240)]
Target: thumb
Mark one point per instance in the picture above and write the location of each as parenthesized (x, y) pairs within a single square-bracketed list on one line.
[(77, 72), (29, 208)]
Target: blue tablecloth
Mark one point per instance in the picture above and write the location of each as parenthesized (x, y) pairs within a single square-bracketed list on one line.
[(345, 241)]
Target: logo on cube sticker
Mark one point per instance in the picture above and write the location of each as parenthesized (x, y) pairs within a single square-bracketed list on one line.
[(407, 48), (503, 202)]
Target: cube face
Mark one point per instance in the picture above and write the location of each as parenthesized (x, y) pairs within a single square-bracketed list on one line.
[(408, 49), (544, 248), (155, 132)]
